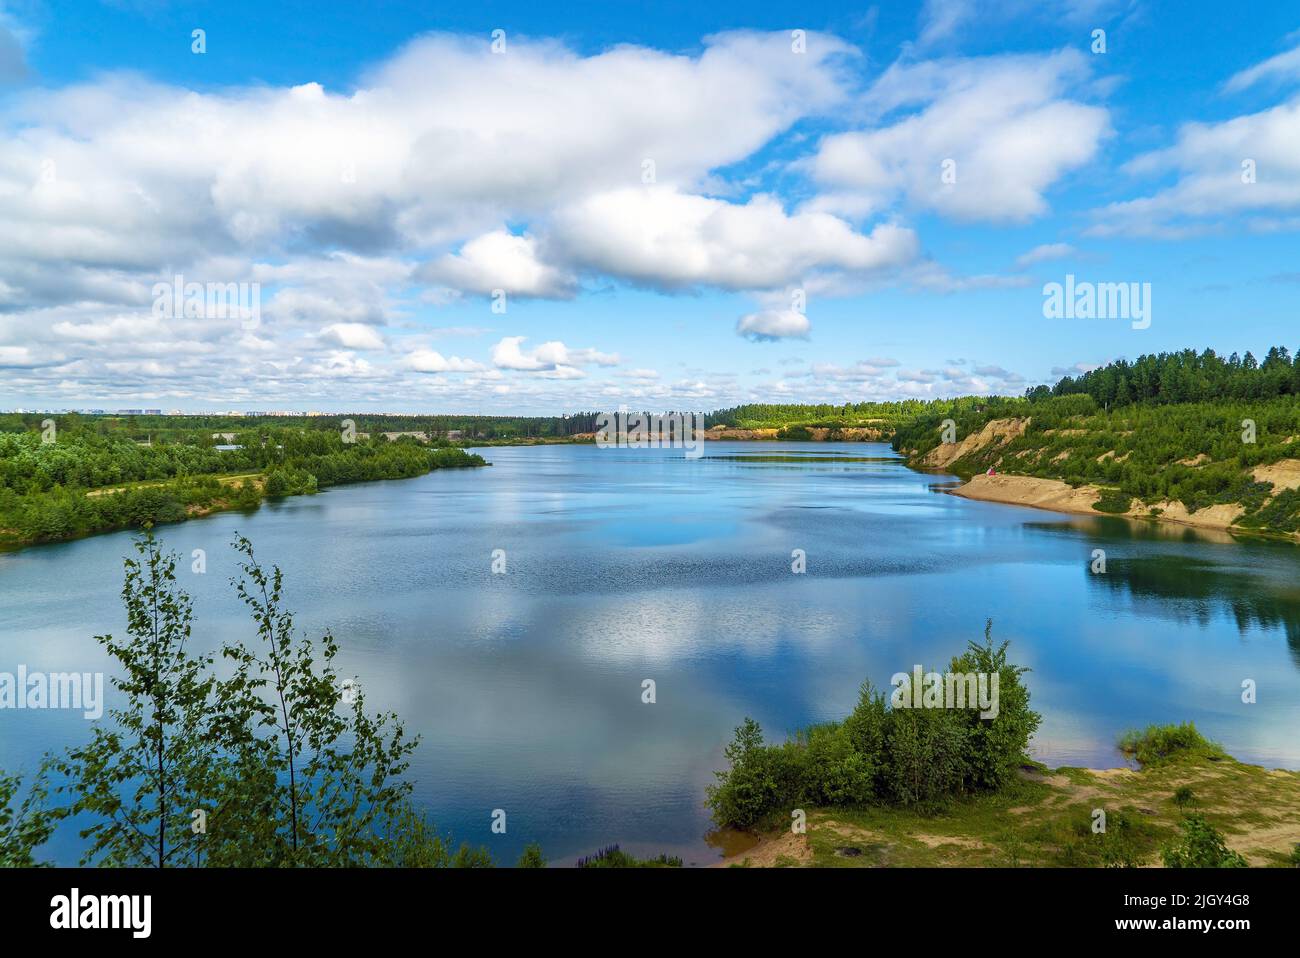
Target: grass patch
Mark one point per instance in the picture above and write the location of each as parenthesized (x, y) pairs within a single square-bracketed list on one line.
[(1161, 743), (1047, 819), (613, 857)]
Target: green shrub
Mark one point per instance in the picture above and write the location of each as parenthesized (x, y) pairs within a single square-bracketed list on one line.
[(905, 756), (748, 791), (288, 481), (837, 774), (1121, 843), (1200, 846), (866, 728), (24, 824), (1161, 743), (1114, 501), (532, 857), (995, 747), (247, 495), (924, 755), (613, 857), (411, 841), (794, 434), (276, 485)]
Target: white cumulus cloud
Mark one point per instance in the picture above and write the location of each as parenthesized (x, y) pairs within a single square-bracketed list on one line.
[(774, 324), (661, 237), (976, 138)]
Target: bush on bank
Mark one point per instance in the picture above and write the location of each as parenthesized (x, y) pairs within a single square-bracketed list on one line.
[(1161, 743), (881, 754)]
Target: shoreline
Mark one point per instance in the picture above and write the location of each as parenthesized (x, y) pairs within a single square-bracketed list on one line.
[(1050, 495), (1053, 495), (1043, 818), (12, 542)]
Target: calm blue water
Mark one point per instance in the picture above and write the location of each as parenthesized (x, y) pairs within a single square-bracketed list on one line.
[(624, 565)]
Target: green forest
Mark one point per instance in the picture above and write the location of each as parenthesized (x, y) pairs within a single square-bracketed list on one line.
[(144, 427), (1183, 426), (771, 415), (1173, 427), (1184, 376), (84, 476)]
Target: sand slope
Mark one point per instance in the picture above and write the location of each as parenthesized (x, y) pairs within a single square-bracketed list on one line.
[(1000, 431), (1059, 496), (1030, 491)]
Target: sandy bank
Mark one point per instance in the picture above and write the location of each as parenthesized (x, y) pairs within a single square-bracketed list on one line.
[(1256, 809), (1061, 497), (1029, 491)]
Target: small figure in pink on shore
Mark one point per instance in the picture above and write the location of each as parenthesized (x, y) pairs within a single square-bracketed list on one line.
[(990, 472)]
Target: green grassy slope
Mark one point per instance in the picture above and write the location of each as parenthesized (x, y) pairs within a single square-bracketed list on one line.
[(1197, 453)]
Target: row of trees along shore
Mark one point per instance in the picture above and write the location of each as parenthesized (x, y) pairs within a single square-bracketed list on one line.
[(1167, 426), (88, 480)]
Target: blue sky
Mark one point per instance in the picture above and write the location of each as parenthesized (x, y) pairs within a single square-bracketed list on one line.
[(868, 209)]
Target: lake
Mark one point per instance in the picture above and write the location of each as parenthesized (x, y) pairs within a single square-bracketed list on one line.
[(625, 565)]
